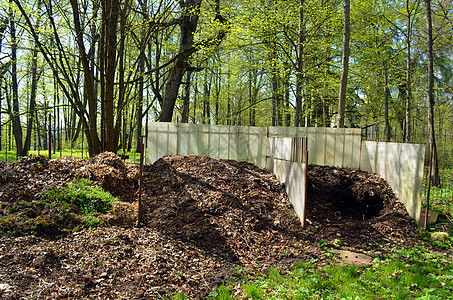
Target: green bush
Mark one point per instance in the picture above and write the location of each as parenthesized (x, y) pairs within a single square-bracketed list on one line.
[(89, 199)]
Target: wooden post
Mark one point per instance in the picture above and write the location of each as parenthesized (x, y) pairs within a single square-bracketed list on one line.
[(140, 182), (60, 137), (50, 136), (429, 187), (39, 134), (306, 179), (82, 143)]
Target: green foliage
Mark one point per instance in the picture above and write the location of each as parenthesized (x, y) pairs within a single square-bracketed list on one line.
[(415, 273), (441, 196), (222, 293), (92, 221), (89, 199)]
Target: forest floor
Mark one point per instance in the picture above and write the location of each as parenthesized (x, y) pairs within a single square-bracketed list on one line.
[(204, 220)]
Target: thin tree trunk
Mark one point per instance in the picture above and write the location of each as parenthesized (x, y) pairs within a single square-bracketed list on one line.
[(300, 62), (3, 24), (139, 113), (217, 96), (32, 103), (407, 127), (435, 179), (275, 90), (252, 101), (186, 99), (344, 65), (206, 98), (94, 146), (17, 127), (386, 105), (33, 89), (122, 92)]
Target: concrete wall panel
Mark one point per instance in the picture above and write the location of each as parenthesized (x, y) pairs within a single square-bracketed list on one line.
[(293, 176), (330, 152), (401, 165), (340, 152)]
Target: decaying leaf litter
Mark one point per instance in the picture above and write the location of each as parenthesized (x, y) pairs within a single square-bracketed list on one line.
[(204, 220)]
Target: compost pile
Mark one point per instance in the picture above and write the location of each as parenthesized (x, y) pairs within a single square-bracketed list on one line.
[(203, 221)]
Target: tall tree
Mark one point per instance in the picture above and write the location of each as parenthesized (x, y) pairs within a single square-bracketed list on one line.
[(33, 90), (299, 65), (14, 108), (344, 64), (188, 22), (407, 124), (435, 179)]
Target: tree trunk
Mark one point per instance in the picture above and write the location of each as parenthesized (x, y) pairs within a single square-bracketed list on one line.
[(32, 103), (386, 104), (407, 127), (110, 16), (139, 113), (122, 91), (435, 180), (186, 99), (3, 24), (94, 145), (206, 99), (188, 26), (15, 118), (300, 62), (190, 10), (344, 65)]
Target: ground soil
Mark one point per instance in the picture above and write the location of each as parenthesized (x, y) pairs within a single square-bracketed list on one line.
[(204, 221)]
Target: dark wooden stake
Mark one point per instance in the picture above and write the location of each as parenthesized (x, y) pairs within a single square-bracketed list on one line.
[(429, 187), (140, 181), (50, 136), (82, 144), (306, 180)]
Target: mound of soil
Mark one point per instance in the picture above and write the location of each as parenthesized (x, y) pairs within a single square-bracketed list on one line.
[(204, 220)]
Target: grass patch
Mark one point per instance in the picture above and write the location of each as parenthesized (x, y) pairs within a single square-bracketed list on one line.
[(416, 273), (90, 200), (440, 197)]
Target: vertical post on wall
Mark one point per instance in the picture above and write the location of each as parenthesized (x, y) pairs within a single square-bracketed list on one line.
[(305, 150), (140, 181), (429, 187), (50, 136), (427, 163)]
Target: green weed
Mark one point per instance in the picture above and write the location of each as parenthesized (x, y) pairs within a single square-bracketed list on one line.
[(415, 273), (89, 199), (81, 195)]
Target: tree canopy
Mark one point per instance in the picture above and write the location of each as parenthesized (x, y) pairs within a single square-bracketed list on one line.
[(104, 68)]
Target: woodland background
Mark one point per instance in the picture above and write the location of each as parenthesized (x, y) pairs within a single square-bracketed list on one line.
[(104, 69)]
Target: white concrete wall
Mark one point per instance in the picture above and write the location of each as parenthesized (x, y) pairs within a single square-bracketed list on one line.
[(292, 175), (222, 142), (327, 146), (401, 165)]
